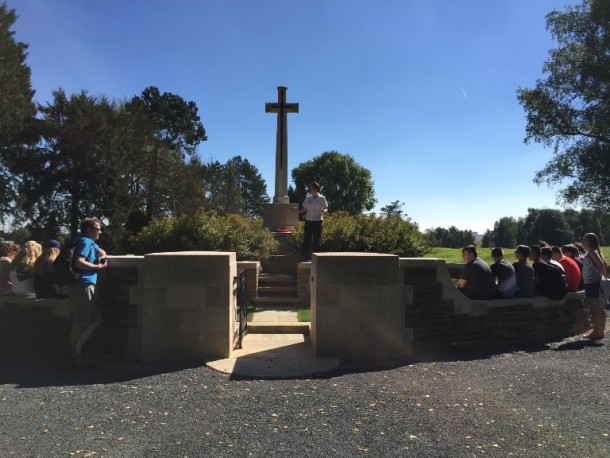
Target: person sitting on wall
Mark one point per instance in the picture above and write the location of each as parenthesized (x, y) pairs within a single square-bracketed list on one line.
[(570, 251), (21, 269), (8, 251), (581, 249), (44, 281), (550, 280), (570, 267), (526, 277), (476, 280), (546, 254), (505, 275)]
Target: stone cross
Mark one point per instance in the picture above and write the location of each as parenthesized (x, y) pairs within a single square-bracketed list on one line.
[(281, 144)]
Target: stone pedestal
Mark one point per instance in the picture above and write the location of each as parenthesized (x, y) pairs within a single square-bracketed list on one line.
[(278, 215), (357, 307), (187, 309)]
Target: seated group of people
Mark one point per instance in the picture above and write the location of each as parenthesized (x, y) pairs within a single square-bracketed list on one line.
[(28, 271), (552, 273)]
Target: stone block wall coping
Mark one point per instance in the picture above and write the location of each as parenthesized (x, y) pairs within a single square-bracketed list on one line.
[(192, 253), (59, 307), (125, 260)]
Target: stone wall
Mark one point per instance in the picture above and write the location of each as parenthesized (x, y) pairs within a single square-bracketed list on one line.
[(357, 307), (441, 318)]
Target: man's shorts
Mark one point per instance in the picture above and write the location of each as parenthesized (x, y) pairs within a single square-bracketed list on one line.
[(85, 310), (592, 290)]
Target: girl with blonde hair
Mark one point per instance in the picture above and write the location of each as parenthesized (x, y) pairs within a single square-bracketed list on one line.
[(44, 273), (21, 269)]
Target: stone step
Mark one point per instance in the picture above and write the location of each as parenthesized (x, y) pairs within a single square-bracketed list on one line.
[(278, 327), (276, 279), (276, 300), (274, 291), (274, 356)]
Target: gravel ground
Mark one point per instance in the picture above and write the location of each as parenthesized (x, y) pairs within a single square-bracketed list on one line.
[(551, 401)]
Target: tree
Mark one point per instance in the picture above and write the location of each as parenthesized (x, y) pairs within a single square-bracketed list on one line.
[(552, 227), (17, 108), (487, 241), (569, 110), (393, 210), (346, 185), (171, 130), (80, 166), (246, 178), (450, 238), (505, 232)]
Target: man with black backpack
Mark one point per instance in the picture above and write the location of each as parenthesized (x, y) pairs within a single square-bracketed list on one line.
[(88, 259), (551, 280)]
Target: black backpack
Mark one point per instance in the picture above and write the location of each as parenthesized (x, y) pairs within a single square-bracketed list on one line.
[(556, 285), (65, 272)]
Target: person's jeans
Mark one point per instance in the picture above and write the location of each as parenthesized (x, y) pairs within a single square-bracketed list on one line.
[(311, 238)]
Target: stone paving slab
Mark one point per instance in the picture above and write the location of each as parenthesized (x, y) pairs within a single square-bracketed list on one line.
[(274, 356), (275, 314)]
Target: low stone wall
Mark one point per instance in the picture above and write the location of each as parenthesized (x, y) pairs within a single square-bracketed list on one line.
[(137, 329), (441, 318)]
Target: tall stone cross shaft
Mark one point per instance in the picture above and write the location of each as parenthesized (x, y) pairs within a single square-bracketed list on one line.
[(281, 144)]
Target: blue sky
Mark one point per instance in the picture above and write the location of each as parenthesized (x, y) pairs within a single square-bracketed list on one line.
[(420, 92)]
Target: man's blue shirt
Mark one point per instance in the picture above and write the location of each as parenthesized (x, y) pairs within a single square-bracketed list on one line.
[(88, 249)]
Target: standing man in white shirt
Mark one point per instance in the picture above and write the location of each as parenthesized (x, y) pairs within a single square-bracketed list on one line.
[(314, 207)]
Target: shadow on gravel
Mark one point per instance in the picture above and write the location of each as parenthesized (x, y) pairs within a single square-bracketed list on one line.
[(24, 371), (578, 345)]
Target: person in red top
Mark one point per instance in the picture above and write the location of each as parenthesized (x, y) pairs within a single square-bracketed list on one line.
[(570, 267)]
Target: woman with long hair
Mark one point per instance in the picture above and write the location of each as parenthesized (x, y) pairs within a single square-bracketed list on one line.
[(21, 269), (593, 268), (44, 282)]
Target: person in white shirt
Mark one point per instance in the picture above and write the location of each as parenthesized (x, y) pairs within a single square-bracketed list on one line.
[(314, 207)]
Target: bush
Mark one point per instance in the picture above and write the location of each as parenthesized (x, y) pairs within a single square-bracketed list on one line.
[(207, 232), (366, 233)]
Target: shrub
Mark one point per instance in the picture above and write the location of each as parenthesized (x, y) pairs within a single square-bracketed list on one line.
[(366, 233), (207, 232)]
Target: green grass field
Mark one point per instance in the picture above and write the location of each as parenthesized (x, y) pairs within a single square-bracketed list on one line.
[(455, 254)]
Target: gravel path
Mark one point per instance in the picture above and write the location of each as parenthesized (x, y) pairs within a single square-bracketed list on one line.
[(551, 401)]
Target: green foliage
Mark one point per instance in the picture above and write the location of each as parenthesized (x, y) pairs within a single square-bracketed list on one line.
[(207, 231), (235, 187), (505, 232), (393, 210), (487, 240), (170, 130), (450, 238), (570, 109), (346, 185), (17, 109), (366, 233)]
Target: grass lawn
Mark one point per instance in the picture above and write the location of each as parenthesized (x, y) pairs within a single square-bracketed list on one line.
[(304, 314), (455, 254)]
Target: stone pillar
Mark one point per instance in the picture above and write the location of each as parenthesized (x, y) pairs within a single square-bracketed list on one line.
[(357, 307), (187, 306)]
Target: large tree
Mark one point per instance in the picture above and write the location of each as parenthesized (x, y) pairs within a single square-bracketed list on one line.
[(81, 164), (171, 130), (346, 185), (569, 109), (17, 108)]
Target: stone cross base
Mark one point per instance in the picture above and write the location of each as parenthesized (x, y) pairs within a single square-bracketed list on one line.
[(279, 216)]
